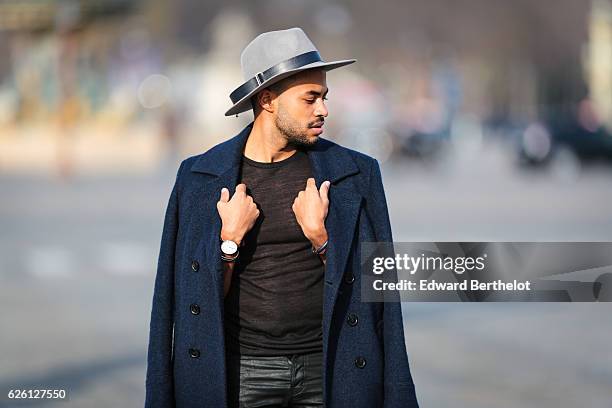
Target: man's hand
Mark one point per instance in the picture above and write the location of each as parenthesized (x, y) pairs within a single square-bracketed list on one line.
[(310, 209), (238, 215)]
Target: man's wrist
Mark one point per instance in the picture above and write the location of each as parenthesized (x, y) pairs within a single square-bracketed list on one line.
[(225, 236), (319, 238)]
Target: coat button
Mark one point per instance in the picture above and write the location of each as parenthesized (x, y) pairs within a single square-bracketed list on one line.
[(195, 309), (349, 278), (360, 362), (352, 319), (194, 353), (195, 265)]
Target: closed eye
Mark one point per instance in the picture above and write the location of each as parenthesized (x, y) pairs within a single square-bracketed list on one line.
[(314, 100), (311, 96)]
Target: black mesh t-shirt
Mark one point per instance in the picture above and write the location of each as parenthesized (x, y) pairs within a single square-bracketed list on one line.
[(274, 306)]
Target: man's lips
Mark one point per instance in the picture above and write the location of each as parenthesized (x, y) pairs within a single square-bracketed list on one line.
[(317, 129)]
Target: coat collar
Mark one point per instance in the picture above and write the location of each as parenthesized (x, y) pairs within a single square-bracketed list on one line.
[(327, 158)]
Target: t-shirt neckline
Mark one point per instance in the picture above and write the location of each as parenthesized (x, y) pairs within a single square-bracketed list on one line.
[(281, 163)]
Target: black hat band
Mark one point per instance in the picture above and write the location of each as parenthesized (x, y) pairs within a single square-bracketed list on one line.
[(284, 66)]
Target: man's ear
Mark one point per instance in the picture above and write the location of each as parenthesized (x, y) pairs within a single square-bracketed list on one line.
[(265, 100)]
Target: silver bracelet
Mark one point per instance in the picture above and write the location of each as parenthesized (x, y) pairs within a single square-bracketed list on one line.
[(321, 249)]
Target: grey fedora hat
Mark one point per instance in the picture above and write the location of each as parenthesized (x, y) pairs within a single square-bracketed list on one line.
[(273, 56)]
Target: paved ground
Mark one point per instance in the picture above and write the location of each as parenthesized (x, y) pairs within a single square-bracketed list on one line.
[(77, 263)]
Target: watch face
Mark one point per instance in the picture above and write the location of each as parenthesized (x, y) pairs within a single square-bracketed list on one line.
[(229, 247)]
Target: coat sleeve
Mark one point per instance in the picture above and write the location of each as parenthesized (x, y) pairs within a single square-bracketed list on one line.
[(159, 379), (399, 388)]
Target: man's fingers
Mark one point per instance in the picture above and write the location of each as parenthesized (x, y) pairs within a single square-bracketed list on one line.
[(324, 190), (310, 183), (224, 195), (241, 188)]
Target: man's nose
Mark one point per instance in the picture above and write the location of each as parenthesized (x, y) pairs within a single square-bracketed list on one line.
[(321, 109)]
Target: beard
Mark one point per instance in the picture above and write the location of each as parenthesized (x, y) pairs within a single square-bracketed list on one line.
[(292, 131)]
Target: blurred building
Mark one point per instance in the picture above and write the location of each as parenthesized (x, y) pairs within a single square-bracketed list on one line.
[(599, 59), (111, 85)]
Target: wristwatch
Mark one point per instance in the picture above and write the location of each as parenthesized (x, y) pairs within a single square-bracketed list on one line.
[(229, 251)]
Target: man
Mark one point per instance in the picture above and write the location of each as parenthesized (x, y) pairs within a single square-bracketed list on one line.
[(257, 299)]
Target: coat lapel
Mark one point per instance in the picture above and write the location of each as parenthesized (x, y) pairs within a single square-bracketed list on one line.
[(332, 163), (329, 162), (223, 162)]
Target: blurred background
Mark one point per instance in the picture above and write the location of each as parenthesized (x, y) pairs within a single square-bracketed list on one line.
[(491, 120)]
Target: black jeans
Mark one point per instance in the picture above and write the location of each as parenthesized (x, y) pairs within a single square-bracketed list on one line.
[(284, 381)]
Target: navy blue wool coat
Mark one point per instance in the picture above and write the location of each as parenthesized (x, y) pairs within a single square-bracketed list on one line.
[(186, 353)]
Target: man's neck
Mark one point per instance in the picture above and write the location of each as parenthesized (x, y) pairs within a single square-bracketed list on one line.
[(266, 144)]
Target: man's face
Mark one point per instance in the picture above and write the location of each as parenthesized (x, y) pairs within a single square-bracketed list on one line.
[(300, 108)]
